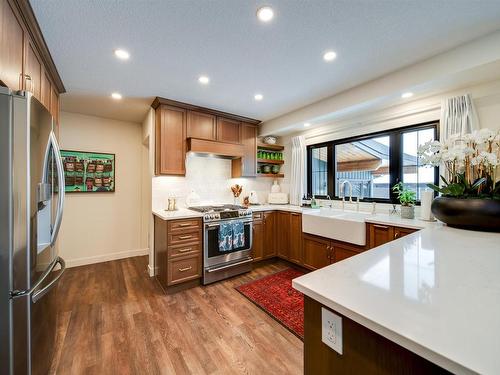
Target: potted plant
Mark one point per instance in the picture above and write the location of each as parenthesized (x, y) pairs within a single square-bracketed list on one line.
[(470, 189), (407, 199)]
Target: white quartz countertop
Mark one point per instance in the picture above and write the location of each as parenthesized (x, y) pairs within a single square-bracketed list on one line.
[(182, 213), (435, 292), (379, 218)]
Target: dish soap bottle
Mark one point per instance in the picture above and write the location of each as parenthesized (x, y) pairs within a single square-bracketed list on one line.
[(313, 202)]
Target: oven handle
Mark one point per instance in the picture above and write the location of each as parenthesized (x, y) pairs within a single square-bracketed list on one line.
[(230, 265), (216, 225)]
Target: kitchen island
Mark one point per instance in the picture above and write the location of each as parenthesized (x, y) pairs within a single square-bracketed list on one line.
[(428, 302)]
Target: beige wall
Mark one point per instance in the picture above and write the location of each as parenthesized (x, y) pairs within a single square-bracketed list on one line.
[(104, 226)]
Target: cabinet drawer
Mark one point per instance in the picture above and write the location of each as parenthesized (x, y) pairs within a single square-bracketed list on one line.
[(182, 250), (258, 215), (184, 269), (184, 225), (184, 237)]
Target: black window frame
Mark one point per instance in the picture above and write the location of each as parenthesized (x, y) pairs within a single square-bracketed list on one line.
[(395, 159)]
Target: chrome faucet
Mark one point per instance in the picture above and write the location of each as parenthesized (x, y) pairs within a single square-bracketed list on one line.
[(330, 202), (342, 190)]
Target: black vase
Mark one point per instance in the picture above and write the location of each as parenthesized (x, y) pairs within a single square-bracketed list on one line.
[(474, 214)]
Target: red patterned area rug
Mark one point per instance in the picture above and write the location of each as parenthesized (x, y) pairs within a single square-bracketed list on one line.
[(275, 295)]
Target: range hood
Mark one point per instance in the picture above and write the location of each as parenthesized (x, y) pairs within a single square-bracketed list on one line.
[(204, 147)]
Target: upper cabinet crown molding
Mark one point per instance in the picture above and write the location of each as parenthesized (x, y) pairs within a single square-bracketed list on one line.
[(158, 101), (27, 16)]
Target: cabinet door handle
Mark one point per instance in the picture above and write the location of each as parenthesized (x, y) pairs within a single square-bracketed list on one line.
[(185, 269), (185, 237), (185, 250), (184, 224), (396, 235), (380, 226)]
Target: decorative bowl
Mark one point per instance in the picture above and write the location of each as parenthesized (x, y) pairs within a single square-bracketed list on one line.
[(266, 169), (275, 169), (270, 140)]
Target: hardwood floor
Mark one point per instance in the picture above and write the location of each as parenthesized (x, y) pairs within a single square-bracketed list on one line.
[(114, 319)]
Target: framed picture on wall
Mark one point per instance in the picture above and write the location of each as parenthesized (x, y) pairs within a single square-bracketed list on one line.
[(88, 172)]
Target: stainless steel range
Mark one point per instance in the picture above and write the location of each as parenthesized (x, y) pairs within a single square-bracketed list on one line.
[(218, 264)]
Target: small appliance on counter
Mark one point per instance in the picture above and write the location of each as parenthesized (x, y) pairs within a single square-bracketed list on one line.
[(277, 198), (253, 198)]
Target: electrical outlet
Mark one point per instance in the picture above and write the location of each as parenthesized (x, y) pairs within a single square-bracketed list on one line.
[(331, 330)]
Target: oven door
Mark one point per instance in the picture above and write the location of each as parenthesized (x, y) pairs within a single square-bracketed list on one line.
[(213, 256)]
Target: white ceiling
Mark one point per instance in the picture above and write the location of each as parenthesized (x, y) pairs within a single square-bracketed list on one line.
[(173, 42)]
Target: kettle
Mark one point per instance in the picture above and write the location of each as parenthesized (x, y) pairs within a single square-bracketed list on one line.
[(254, 199)]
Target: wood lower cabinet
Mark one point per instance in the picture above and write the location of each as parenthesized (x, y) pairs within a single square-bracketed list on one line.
[(283, 234), (379, 234), (295, 238), (269, 231), (258, 239), (317, 252), (178, 249), (170, 147)]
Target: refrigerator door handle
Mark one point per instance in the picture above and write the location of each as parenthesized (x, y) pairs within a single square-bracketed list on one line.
[(60, 182), (40, 293)]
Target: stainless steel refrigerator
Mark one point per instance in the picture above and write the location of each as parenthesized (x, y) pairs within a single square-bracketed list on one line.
[(31, 208)]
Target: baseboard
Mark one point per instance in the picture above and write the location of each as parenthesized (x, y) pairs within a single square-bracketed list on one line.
[(152, 270), (105, 257)]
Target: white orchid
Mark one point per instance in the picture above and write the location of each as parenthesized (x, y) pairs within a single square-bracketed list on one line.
[(468, 157)]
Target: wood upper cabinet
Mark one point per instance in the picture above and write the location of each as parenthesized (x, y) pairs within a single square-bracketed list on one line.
[(258, 240), (11, 47), (45, 90), (317, 252), (269, 244), (170, 141), (228, 130), (33, 71), (25, 62), (295, 236), (201, 125), (283, 234), (247, 165)]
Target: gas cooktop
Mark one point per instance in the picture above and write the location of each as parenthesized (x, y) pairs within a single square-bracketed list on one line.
[(222, 212)]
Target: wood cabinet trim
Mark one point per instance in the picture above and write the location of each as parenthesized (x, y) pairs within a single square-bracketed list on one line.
[(163, 101)]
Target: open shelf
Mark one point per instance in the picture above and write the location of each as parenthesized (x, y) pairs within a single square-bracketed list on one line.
[(275, 175), (267, 161), (270, 147)]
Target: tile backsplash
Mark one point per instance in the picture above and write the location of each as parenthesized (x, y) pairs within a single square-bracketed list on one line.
[(211, 179)]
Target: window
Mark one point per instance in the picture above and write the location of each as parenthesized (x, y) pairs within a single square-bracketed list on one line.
[(319, 172), (370, 165), (364, 165)]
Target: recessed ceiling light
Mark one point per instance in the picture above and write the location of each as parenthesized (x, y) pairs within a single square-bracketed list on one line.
[(122, 54), (258, 97), (116, 95), (265, 13), (407, 95), (329, 56), (307, 124), (204, 80)]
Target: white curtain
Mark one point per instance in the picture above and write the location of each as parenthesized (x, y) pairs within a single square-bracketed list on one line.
[(458, 116), (298, 172)]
